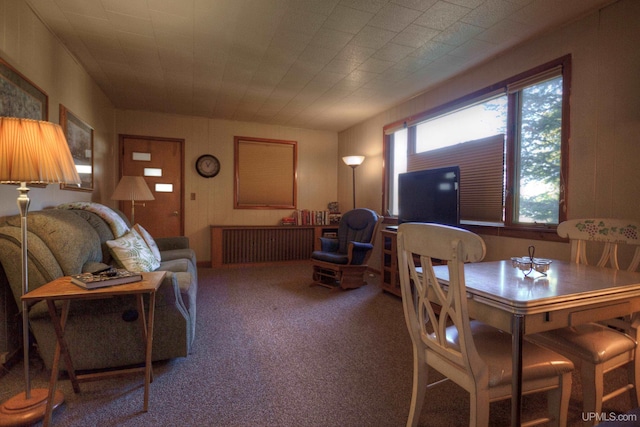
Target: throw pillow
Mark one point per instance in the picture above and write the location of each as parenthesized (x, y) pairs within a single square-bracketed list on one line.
[(149, 240), (132, 253)]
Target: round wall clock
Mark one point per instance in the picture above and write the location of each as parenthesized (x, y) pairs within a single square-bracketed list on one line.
[(207, 166)]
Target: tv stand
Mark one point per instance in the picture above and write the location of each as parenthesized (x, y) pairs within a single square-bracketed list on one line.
[(390, 274)]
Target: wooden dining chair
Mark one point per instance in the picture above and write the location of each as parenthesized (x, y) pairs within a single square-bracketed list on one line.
[(472, 354), (599, 348)]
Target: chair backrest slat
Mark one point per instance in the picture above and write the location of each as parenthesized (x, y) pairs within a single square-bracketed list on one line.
[(610, 232)]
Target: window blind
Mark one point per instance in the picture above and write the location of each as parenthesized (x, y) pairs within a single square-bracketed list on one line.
[(481, 165)]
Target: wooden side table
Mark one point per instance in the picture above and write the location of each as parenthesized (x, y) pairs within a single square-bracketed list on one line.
[(63, 290)]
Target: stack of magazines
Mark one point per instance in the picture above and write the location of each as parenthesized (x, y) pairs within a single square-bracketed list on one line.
[(110, 277)]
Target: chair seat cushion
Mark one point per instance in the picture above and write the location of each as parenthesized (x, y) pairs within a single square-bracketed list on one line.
[(494, 347), (332, 257), (593, 342)]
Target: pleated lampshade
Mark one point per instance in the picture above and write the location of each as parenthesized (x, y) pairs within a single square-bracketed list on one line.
[(34, 151)]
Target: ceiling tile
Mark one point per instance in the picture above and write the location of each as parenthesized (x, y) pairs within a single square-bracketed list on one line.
[(372, 6), (130, 24), (394, 17), (133, 8), (415, 36), (441, 15), (490, 13), (432, 50), (183, 8), (302, 21), (393, 52), (457, 34), (355, 53), (421, 5), (375, 65), (347, 20), (373, 37), (88, 8)]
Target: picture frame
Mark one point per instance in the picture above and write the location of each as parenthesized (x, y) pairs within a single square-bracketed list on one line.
[(19, 96), (265, 173), (80, 139)]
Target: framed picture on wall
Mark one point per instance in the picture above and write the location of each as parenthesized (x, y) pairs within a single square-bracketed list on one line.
[(80, 139), (19, 97)]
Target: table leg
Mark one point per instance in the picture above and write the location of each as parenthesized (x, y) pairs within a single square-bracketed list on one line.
[(61, 347), (149, 345), (517, 334)]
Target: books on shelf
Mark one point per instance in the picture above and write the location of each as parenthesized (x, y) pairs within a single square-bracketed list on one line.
[(112, 277), (312, 217)]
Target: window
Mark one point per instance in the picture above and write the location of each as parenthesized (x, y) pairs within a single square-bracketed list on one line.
[(538, 152), (398, 165), (509, 140)]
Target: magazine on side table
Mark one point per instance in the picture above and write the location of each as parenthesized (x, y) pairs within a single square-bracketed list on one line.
[(111, 277)]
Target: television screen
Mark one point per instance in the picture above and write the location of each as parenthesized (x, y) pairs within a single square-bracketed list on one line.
[(430, 195)]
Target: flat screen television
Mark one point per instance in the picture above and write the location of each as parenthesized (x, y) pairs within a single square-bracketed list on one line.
[(430, 195)]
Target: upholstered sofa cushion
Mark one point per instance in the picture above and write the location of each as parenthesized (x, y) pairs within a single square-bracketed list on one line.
[(72, 242)]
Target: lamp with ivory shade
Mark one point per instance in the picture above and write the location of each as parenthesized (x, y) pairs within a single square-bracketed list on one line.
[(31, 151), (132, 188)]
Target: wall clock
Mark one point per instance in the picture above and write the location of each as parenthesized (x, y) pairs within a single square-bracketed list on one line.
[(207, 166)]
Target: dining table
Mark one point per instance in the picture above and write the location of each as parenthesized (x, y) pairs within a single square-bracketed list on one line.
[(522, 302)]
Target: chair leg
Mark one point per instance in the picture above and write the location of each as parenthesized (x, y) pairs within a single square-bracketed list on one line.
[(420, 383), (592, 389), (558, 401), (633, 374), (479, 407)]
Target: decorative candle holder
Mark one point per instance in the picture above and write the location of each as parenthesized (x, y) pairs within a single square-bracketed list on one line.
[(528, 264)]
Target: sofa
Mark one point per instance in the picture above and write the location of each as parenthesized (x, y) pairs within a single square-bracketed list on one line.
[(103, 333)]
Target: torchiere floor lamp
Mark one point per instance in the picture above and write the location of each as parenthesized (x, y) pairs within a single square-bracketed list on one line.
[(354, 162)]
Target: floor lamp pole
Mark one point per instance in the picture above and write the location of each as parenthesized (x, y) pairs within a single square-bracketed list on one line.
[(23, 205), (30, 406), (353, 170)]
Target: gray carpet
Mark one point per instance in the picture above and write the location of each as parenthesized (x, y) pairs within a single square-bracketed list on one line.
[(272, 351)]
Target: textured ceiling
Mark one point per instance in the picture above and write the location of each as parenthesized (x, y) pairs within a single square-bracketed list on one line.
[(318, 64)]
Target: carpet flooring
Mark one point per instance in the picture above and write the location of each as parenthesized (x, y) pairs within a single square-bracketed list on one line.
[(270, 350)]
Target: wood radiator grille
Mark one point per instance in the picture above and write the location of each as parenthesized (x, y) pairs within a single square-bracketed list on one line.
[(255, 245)]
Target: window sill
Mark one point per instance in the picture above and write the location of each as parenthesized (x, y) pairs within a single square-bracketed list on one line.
[(546, 233)]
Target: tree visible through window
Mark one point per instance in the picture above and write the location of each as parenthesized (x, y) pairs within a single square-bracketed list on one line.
[(538, 164)]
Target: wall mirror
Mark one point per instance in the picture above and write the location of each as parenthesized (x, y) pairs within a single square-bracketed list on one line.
[(265, 173)]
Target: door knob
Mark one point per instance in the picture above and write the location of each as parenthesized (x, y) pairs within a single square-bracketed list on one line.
[(175, 213)]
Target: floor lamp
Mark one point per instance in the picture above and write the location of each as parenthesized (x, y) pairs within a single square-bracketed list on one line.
[(132, 188), (31, 151), (354, 162)]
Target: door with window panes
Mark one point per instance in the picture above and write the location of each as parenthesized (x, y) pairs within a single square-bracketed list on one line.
[(160, 161)]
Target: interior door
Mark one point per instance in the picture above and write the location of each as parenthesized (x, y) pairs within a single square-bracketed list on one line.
[(161, 162)]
